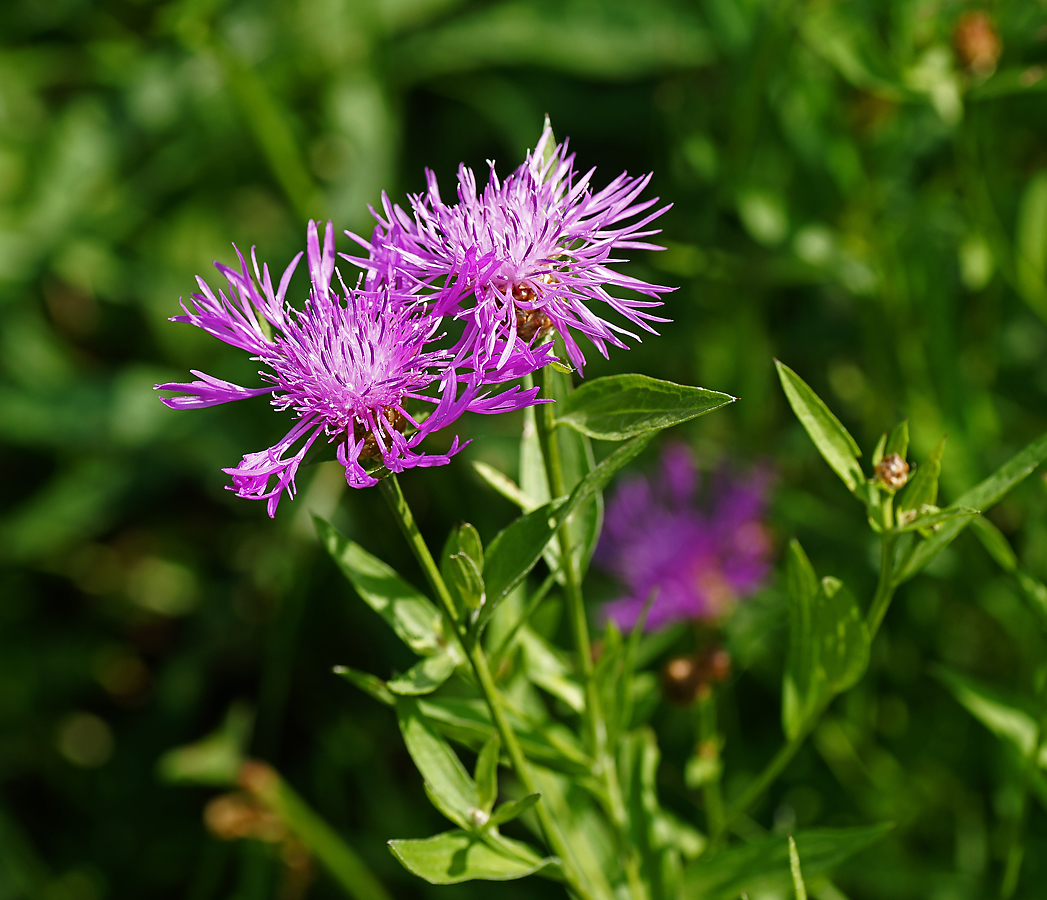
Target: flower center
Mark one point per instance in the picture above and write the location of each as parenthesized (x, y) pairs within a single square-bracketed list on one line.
[(389, 419)]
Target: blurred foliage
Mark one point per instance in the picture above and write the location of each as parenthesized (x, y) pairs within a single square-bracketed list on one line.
[(860, 189)]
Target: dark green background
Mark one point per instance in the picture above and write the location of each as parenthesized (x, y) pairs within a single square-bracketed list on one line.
[(847, 197)]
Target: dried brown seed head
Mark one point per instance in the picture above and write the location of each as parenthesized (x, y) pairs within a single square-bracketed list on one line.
[(892, 472)]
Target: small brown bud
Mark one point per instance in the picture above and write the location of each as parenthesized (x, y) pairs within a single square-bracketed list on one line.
[(232, 817), (892, 472), (681, 679), (977, 43), (258, 778)]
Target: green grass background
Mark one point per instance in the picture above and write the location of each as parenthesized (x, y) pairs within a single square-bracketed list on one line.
[(848, 197)]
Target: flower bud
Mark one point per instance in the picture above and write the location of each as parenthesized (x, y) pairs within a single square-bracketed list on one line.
[(977, 43), (892, 472)]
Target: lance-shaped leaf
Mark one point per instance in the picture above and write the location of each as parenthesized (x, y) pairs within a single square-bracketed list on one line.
[(516, 549), (898, 441), (486, 774), (981, 496), (513, 809), (794, 867), (762, 868), (833, 441), (370, 684), (618, 407), (922, 489), (456, 856), (427, 675), (1003, 716), (828, 642), (213, 760), (930, 517), (503, 484), (411, 615), (447, 783)]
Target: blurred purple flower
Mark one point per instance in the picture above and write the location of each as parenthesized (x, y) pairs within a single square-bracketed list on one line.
[(699, 556), (536, 250), (345, 365)]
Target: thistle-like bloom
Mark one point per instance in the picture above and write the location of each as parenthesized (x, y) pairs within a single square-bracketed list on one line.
[(345, 365), (536, 248), (697, 556)]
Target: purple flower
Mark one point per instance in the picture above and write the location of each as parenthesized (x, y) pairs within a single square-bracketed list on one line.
[(345, 365), (536, 249), (698, 558)]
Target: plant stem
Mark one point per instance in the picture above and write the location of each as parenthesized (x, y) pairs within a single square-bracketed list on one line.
[(885, 587), (474, 652), (605, 765), (708, 734)]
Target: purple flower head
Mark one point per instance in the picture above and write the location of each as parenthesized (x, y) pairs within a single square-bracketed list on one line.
[(345, 365), (536, 248), (699, 558)]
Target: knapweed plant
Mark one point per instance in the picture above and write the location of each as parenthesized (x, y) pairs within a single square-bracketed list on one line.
[(484, 305)]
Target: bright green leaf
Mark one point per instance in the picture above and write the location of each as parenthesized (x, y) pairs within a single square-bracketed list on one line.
[(486, 774), (412, 616), (456, 856), (503, 484), (898, 442), (930, 517), (425, 676), (214, 760), (794, 867), (514, 809), (1003, 716), (449, 785), (981, 496), (370, 684), (995, 543), (922, 488), (618, 407), (833, 441)]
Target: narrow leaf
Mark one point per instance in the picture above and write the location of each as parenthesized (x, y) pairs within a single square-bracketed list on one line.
[(450, 787), (514, 809), (503, 484), (798, 691), (426, 676), (487, 772), (932, 517), (995, 543), (412, 616), (618, 407), (516, 549), (368, 683), (1003, 716), (982, 496), (833, 441), (468, 582), (898, 442), (922, 489), (456, 856), (794, 866)]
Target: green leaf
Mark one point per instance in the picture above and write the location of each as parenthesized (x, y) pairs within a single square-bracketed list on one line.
[(794, 866), (487, 772), (922, 489), (930, 517), (1002, 715), (828, 642), (468, 721), (368, 683), (448, 784), (514, 809), (468, 582), (833, 441), (546, 668), (426, 676), (879, 450), (470, 544), (981, 496), (618, 407), (898, 442), (504, 485), (412, 616), (516, 549), (214, 760), (995, 543), (456, 856), (762, 867)]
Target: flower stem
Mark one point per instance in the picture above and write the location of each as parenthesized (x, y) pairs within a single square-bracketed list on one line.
[(390, 488), (709, 735), (605, 765), (885, 587)]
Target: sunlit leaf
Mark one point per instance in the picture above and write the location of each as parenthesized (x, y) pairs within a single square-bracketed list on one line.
[(425, 676), (456, 856)]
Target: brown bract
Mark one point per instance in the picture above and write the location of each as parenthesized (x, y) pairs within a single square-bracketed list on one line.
[(892, 472)]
